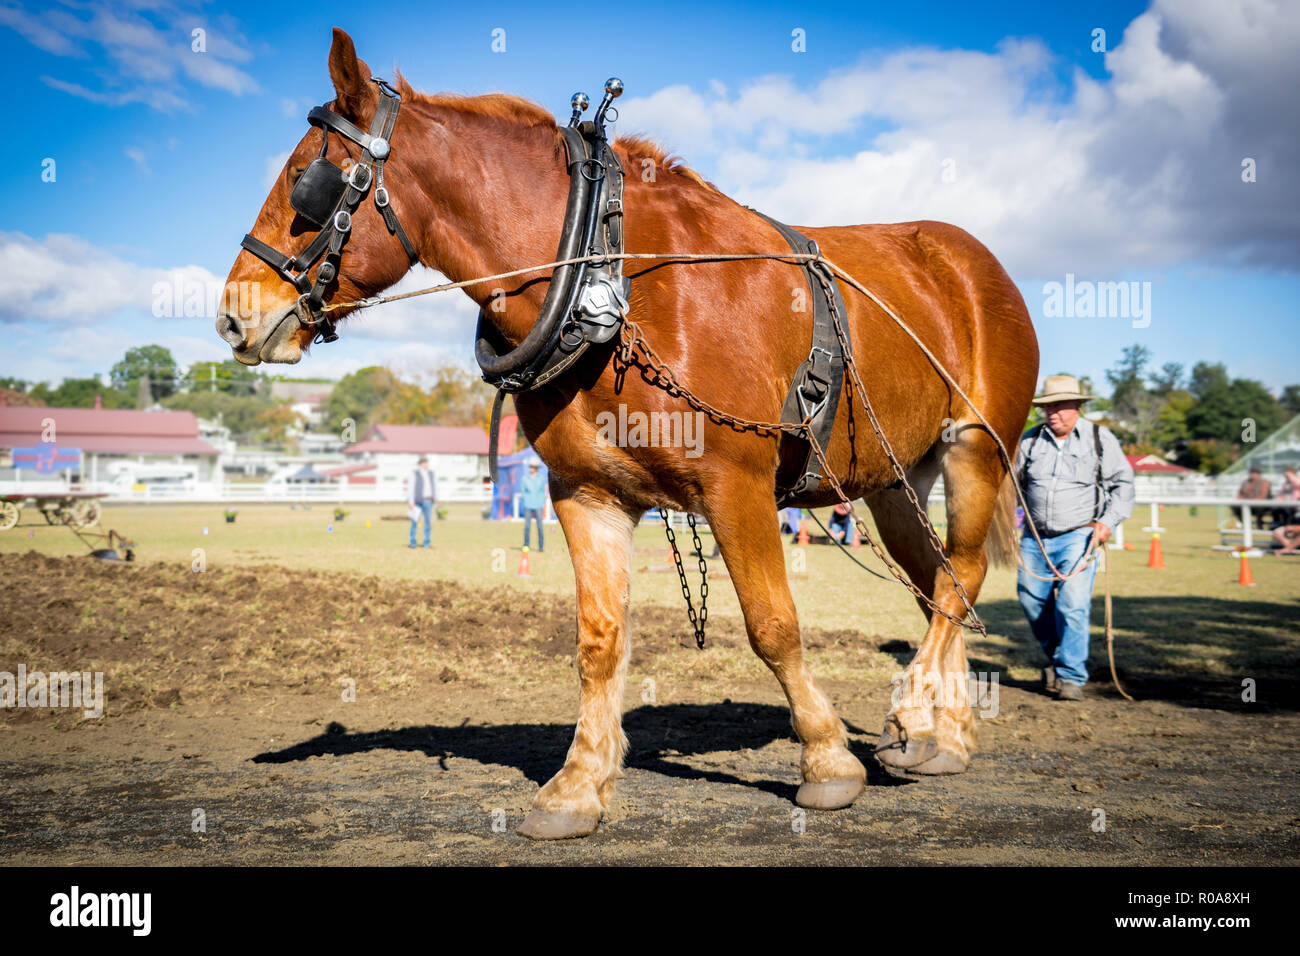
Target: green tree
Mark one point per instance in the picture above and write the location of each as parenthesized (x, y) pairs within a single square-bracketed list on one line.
[(1206, 376), (228, 376), (1290, 399), (1168, 379), (1209, 455), (154, 361), (1223, 410), (357, 396), (275, 423), (81, 393), (1170, 431), (239, 413), (1126, 379)]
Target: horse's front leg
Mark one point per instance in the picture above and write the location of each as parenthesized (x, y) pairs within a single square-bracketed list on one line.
[(599, 535)]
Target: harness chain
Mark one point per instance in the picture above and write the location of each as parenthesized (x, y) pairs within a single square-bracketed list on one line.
[(697, 622)]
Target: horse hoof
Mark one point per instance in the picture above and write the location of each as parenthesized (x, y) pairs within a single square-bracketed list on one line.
[(945, 762), (830, 795), (917, 752), (558, 825)]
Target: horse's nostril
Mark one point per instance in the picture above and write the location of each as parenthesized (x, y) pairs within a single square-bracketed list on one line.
[(228, 328)]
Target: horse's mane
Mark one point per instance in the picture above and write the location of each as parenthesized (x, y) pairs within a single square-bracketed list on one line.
[(516, 109)]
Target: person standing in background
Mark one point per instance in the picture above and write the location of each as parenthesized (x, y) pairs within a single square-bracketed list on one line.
[(421, 499), (534, 500)]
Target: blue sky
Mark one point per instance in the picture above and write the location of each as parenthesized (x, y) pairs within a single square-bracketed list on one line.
[(1115, 166)]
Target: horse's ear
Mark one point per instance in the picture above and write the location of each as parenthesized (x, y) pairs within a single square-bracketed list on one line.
[(353, 91)]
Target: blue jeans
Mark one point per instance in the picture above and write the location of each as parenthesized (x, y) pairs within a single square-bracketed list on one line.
[(530, 515), (426, 508), (1059, 614)]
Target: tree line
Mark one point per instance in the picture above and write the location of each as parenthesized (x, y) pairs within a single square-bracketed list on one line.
[(1202, 419), (240, 397)]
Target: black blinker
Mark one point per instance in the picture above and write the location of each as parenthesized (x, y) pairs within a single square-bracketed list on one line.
[(317, 192)]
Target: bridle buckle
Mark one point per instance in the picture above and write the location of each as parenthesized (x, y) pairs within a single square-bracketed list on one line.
[(360, 187)]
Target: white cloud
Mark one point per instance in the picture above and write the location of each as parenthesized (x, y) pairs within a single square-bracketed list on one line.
[(1139, 171), (136, 155), (143, 51), (64, 279)]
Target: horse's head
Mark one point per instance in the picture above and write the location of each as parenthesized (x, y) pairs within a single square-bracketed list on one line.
[(337, 165)]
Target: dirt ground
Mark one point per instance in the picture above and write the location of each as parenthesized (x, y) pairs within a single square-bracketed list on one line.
[(224, 693)]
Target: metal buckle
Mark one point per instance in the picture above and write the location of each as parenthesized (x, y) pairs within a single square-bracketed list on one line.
[(343, 221), (386, 87), (381, 196), (352, 178)]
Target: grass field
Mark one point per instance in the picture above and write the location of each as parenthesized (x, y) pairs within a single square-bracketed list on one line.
[(1193, 614)]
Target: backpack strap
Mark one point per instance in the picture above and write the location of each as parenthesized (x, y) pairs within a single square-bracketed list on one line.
[(1024, 468), (1096, 487)]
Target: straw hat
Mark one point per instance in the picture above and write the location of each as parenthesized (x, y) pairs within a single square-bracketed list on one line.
[(1061, 388)]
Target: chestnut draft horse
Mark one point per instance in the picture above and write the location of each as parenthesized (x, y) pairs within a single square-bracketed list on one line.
[(479, 184)]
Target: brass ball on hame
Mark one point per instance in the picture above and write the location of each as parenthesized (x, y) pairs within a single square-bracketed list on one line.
[(580, 101), (614, 86)]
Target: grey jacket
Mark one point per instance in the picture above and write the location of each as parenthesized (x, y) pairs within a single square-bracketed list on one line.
[(418, 490), (1061, 486)]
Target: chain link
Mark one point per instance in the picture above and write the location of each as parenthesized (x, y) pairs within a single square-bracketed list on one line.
[(697, 621)]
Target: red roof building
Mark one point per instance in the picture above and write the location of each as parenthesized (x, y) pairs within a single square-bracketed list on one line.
[(434, 440), (104, 431), (1155, 465)]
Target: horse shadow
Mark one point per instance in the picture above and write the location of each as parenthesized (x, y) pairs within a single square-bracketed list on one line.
[(661, 735)]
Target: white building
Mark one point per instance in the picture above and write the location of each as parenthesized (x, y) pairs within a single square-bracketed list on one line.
[(458, 457)]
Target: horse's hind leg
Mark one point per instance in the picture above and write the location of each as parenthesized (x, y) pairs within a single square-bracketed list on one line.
[(599, 535), (932, 715), (746, 531)]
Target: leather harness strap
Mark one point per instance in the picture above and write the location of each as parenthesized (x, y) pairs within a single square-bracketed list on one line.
[(814, 394)]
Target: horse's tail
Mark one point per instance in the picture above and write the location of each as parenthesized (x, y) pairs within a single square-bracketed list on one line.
[(1000, 546)]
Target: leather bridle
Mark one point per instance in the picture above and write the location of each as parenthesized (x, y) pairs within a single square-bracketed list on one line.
[(327, 197)]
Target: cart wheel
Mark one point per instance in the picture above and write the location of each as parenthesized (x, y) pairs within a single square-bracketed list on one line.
[(86, 514), (8, 515)]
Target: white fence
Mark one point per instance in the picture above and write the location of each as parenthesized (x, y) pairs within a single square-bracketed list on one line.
[(331, 492)]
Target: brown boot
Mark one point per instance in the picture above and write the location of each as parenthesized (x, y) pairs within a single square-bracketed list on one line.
[(1050, 683), (1069, 691)]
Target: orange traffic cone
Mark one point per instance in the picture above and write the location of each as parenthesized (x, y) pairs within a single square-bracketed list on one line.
[(1245, 577), (803, 531), (1157, 559), (523, 564)]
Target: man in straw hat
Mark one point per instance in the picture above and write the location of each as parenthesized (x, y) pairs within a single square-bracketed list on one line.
[(1079, 487)]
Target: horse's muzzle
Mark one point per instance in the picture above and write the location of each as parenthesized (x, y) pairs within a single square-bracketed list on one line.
[(270, 337)]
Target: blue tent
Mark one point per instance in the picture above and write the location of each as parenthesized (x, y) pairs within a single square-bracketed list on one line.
[(510, 478)]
